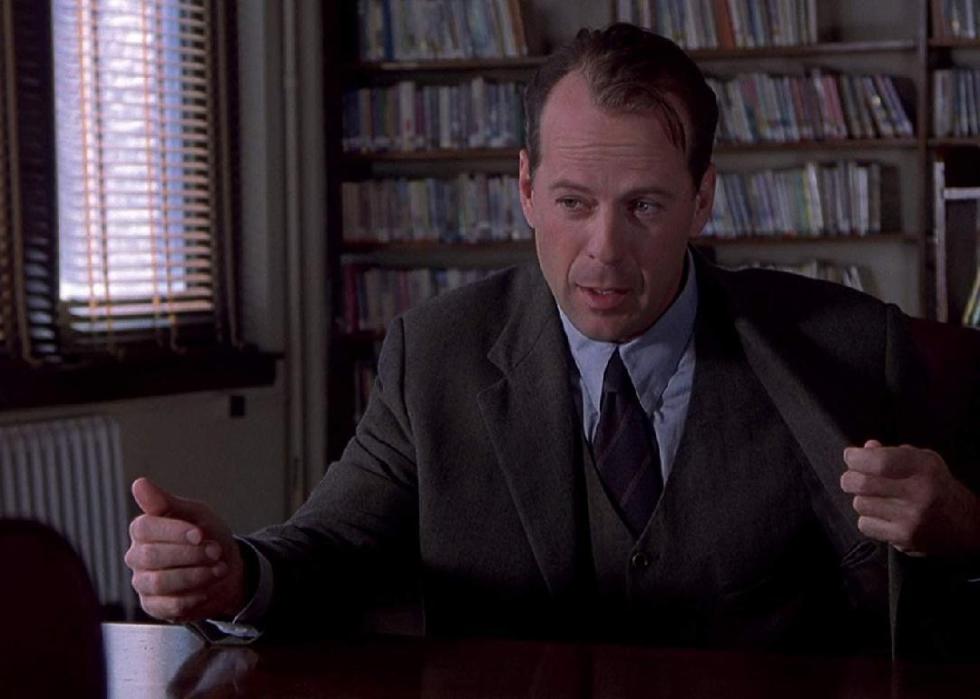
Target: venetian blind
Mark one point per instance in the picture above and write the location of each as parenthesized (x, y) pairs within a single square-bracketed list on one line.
[(28, 261), (138, 160)]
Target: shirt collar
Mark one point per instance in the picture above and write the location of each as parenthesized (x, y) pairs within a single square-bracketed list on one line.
[(651, 359)]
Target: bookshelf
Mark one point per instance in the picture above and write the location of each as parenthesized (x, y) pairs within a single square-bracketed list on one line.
[(956, 229), (422, 156), (875, 37), (953, 62)]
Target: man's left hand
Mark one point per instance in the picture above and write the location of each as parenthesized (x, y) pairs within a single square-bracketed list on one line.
[(908, 498)]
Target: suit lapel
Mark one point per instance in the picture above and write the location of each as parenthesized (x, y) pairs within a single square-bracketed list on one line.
[(529, 416), (818, 433)]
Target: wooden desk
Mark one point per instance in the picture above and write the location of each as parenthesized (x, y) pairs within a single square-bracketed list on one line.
[(158, 661)]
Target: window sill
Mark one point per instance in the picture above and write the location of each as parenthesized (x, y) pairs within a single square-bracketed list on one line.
[(22, 387)]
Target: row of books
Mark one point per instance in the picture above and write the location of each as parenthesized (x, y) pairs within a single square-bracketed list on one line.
[(853, 276), (727, 24), (956, 102), (408, 30), (408, 116), (818, 106), (839, 198), (375, 296), (466, 209), (959, 19)]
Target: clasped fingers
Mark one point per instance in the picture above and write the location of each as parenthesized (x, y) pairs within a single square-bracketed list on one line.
[(177, 581), (149, 528), (153, 556)]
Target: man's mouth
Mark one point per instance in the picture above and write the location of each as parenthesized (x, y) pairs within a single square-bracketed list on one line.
[(603, 298)]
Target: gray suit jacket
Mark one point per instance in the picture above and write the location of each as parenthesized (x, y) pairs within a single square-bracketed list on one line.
[(463, 479)]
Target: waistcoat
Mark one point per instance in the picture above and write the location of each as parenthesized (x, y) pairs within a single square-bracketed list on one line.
[(736, 553)]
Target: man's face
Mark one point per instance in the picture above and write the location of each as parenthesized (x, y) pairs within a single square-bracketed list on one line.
[(613, 206)]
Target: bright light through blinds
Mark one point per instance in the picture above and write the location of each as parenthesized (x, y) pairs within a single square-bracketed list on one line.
[(134, 157)]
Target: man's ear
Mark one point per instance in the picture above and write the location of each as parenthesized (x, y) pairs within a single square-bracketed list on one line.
[(525, 185), (704, 200)]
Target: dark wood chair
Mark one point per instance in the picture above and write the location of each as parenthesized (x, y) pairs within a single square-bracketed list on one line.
[(52, 638), (950, 355)]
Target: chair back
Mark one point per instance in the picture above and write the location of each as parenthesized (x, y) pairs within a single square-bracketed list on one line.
[(950, 355), (51, 643)]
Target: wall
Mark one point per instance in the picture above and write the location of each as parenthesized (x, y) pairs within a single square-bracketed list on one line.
[(190, 444)]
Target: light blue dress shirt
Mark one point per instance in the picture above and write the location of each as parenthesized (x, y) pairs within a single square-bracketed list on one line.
[(660, 363)]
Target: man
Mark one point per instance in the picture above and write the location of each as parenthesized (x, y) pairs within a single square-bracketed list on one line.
[(627, 443)]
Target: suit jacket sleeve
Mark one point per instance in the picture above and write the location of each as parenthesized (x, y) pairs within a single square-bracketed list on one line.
[(356, 537)]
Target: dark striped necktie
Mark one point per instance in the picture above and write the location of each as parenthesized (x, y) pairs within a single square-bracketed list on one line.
[(625, 449)]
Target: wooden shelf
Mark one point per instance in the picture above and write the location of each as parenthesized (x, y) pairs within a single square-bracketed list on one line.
[(803, 238), (439, 247), (422, 156), (512, 153), (823, 49), (954, 141), (845, 144), (527, 246), (442, 65), (954, 43)]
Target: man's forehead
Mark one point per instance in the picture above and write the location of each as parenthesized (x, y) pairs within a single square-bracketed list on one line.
[(572, 112)]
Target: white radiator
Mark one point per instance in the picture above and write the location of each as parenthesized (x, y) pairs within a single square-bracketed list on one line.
[(68, 474)]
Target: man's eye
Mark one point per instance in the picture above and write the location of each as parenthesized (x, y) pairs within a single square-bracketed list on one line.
[(643, 207), (571, 203)]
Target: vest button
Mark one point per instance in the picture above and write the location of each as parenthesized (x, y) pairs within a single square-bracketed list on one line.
[(639, 561)]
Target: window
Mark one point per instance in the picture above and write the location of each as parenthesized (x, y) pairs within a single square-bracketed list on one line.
[(133, 152)]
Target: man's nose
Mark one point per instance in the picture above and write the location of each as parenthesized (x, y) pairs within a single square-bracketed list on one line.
[(607, 236)]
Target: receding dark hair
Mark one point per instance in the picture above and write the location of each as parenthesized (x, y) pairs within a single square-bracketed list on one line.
[(631, 69)]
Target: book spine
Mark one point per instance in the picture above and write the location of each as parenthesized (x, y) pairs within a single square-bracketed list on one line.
[(776, 22), (723, 17), (837, 109), (904, 125), (866, 84), (692, 23), (624, 11), (520, 31), (970, 100), (809, 34), (738, 28), (822, 103), (406, 115), (863, 108), (710, 23), (850, 106), (874, 198), (940, 29)]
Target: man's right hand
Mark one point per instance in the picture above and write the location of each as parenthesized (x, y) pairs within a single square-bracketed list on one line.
[(186, 565)]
